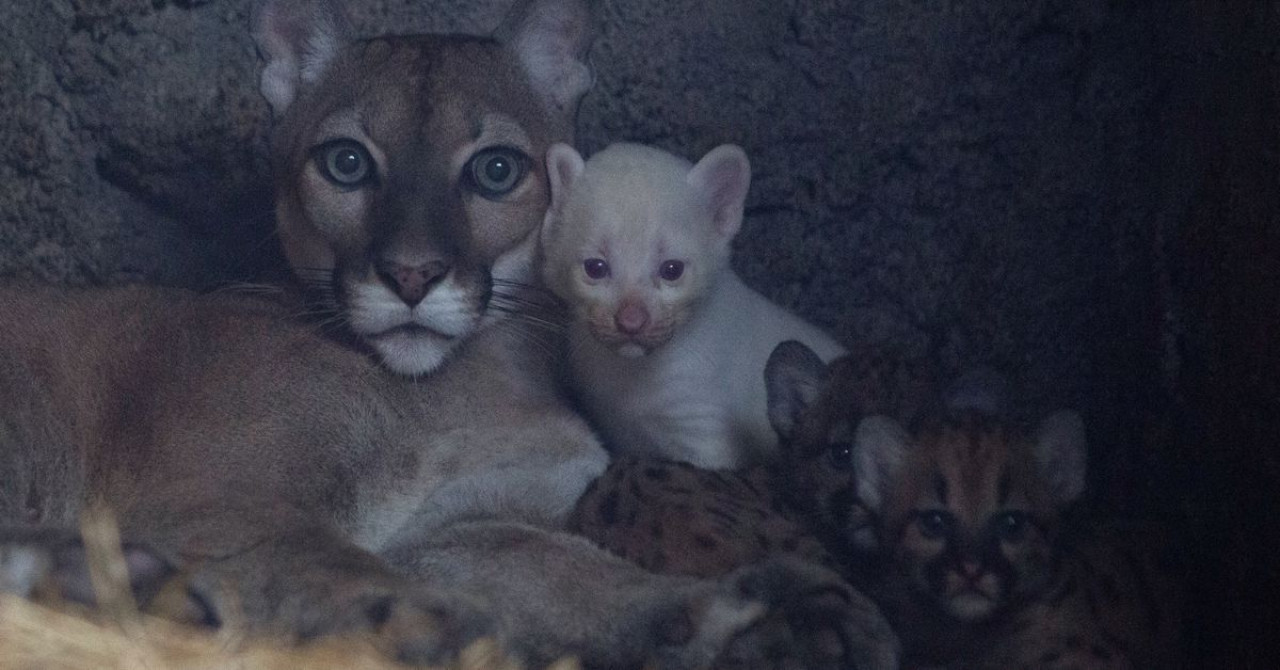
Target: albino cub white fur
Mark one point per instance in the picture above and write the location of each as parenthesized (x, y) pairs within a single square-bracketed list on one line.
[(667, 345)]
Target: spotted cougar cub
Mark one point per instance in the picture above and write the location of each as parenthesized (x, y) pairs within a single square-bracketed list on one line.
[(409, 478), (667, 345), (983, 568)]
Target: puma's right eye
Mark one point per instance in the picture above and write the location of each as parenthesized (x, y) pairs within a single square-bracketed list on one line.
[(345, 162), (496, 171), (596, 268)]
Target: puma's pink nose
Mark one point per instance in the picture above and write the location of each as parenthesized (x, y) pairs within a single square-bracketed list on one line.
[(631, 318), (412, 282)]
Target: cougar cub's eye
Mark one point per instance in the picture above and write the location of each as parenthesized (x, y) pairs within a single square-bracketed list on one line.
[(934, 524), (596, 268), (841, 455), (344, 162), (495, 172), (1011, 526)]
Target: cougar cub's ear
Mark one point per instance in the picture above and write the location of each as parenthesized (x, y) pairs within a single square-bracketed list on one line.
[(564, 164), (297, 38), (723, 176), (793, 379), (880, 447), (1061, 452), (550, 38)]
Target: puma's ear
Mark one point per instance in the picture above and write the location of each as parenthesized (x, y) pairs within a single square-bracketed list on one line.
[(550, 38), (793, 379), (723, 177), (1061, 452), (879, 450), (297, 39)]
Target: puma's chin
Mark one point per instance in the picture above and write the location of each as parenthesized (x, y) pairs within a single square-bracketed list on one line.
[(412, 351)]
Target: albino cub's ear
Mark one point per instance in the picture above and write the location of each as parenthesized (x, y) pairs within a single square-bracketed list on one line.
[(793, 379), (564, 164), (298, 39), (550, 38), (1061, 451), (879, 449), (723, 176)]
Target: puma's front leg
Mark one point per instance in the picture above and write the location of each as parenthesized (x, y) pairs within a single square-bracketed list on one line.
[(558, 594), (281, 571)]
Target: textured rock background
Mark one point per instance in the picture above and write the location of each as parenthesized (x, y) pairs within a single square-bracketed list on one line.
[(1082, 191)]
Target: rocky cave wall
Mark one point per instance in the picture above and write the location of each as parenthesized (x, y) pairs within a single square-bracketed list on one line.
[(998, 181)]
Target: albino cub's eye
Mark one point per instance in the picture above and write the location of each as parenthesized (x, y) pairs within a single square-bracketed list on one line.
[(934, 524), (841, 455), (596, 268), (496, 171), (344, 162), (671, 270)]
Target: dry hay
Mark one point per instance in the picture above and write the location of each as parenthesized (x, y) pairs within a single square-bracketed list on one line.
[(116, 636)]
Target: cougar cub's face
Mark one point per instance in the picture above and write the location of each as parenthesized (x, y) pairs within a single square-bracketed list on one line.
[(405, 167), (969, 505), (815, 409)]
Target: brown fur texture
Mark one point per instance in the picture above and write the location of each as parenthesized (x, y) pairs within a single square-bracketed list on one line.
[(673, 517)]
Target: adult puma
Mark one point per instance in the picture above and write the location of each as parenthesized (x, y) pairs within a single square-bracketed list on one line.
[(305, 483)]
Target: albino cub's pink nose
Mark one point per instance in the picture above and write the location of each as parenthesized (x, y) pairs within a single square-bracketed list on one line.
[(631, 318)]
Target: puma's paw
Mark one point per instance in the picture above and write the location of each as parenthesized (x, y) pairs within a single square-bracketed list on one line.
[(782, 614), (408, 625), (52, 566), (814, 620)]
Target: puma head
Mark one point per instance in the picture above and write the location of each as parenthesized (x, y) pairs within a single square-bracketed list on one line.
[(406, 167)]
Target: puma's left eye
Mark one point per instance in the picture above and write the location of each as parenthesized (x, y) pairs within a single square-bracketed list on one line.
[(496, 172), (345, 162), (671, 270), (841, 455)]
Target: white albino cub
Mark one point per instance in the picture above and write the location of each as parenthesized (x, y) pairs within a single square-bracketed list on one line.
[(667, 346)]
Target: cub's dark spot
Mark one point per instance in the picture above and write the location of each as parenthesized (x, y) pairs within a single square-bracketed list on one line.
[(706, 542), (657, 474), (380, 611), (609, 508)]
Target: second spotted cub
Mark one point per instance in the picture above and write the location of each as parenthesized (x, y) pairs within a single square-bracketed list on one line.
[(666, 343)]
